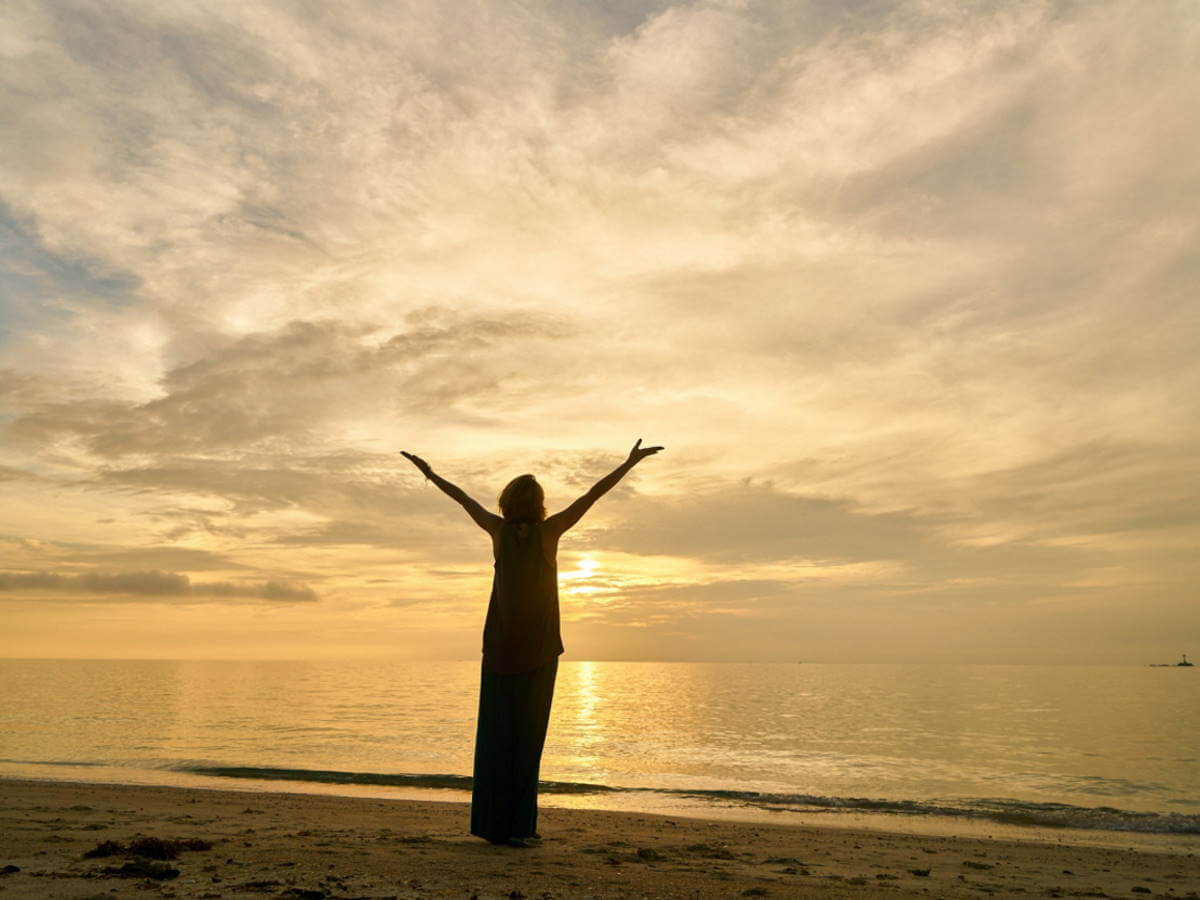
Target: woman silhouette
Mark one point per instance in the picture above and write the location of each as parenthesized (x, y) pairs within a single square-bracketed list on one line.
[(521, 645)]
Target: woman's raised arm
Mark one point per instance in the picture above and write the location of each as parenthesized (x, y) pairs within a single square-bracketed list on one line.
[(489, 522), (561, 521)]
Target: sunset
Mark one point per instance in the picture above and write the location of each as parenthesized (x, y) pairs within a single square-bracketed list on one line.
[(910, 297), (906, 292)]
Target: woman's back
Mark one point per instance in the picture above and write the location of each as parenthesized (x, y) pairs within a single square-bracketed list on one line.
[(522, 628)]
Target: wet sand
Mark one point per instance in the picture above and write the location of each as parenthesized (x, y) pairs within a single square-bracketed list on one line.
[(237, 844)]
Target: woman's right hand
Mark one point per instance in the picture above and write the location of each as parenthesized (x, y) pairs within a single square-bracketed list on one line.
[(638, 453)]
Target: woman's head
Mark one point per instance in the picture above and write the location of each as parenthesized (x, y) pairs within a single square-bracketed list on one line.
[(523, 500)]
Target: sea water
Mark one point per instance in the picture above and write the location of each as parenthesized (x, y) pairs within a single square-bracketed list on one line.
[(1078, 747)]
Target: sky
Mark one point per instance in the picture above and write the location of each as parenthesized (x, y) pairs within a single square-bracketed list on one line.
[(908, 291)]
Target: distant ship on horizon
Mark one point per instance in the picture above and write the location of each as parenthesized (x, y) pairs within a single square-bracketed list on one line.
[(1183, 661)]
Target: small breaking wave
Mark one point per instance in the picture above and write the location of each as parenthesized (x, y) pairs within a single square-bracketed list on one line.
[(1002, 810)]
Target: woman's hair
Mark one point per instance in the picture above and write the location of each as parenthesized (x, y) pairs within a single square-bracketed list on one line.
[(523, 500)]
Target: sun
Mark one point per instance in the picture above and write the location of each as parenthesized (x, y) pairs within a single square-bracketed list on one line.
[(577, 579)]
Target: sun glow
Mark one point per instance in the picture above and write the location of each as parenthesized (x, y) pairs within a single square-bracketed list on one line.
[(577, 579), (587, 566)]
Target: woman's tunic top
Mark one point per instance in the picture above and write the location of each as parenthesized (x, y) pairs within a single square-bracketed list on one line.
[(521, 632)]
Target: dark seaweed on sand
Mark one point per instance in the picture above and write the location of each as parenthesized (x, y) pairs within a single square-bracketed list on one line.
[(148, 848), (143, 869), (158, 848), (105, 848), (708, 851)]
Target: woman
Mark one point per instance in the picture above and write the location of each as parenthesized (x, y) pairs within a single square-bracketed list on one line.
[(521, 645)]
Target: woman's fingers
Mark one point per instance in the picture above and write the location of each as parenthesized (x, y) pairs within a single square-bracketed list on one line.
[(640, 452), (415, 460)]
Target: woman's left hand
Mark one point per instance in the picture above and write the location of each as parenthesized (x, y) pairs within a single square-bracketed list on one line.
[(425, 468)]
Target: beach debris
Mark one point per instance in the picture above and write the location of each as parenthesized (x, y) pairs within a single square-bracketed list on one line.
[(8, 870), (971, 864), (143, 868), (158, 848), (147, 847), (755, 892), (649, 854), (105, 848), (920, 873), (709, 851), (1140, 889), (304, 893)]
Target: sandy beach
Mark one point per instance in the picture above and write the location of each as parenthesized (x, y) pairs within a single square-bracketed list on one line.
[(70, 840)]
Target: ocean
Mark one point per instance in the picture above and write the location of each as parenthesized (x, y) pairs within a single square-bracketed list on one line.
[(1107, 748)]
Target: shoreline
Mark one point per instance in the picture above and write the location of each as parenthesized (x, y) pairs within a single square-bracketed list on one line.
[(1005, 819), (318, 845)]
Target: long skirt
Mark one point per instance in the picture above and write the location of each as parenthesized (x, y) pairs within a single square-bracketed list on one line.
[(514, 711)]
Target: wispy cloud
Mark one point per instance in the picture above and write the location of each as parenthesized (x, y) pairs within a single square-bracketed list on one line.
[(151, 585)]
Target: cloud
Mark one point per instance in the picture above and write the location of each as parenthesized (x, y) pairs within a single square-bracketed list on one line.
[(288, 384), (156, 585), (756, 522), (41, 286)]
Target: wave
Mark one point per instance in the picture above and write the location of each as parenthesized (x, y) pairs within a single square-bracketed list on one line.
[(1002, 810)]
